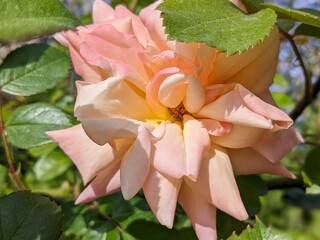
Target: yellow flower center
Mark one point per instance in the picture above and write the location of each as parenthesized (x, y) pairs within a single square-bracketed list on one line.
[(178, 112)]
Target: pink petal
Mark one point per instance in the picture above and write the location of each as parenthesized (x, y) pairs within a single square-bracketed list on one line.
[(103, 131), (197, 142), (153, 22), (135, 165), (153, 91), (231, 107), (248, 161), (173, 89), (215, 127), (275, 145), (107, 182), (201, 213), (111, 98), (216, 183), (262, 108), (161, 193), (169, 152), (239, 137), (102, 12), (195, 96), (89, 157)]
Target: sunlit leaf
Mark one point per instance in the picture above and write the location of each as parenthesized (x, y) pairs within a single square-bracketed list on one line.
[(258, 232), (27, 125), (24, 19), (300, 16), (51, 165), (216, 23), (25, 215), (33, 69)]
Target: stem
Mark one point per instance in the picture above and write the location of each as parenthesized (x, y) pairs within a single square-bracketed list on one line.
[(304, 102), (281, 183), (14, 175), (308, 86), (310, 92)]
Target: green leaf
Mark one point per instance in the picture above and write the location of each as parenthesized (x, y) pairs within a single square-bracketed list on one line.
[(300, 16), (283, 100), (27, 125), (33, 69), (251, 187), (312, 165), (25, 215), (25, 19), (258, 232), (51, 166), (307, 30), (216, 23)]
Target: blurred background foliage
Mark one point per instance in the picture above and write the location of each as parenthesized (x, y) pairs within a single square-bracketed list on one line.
[(290, 207)]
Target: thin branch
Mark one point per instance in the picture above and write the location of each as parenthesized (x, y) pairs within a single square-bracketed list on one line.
[(316, 144), (308, 86), (9, 159), (304, 102)]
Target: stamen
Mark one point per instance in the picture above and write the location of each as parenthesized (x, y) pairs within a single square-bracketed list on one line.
[(178, 112)]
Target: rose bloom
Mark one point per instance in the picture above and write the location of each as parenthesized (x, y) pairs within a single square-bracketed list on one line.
[(177, 120)]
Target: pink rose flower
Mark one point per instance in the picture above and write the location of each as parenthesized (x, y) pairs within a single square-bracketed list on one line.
[(178, 120)]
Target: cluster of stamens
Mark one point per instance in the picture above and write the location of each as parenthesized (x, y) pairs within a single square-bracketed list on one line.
[(178, 112)]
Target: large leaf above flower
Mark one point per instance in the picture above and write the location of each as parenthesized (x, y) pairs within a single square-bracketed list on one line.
[(216, 23), (23, 19)]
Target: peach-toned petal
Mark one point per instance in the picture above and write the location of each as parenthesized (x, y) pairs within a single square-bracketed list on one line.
[(232, 108), (197, 142), (216, 183), (173, 90), (254, 69), (169, 152), (262, 108), (247, 161), (161, 193), (201, 213), (86, 155), (275, 145), (153, 22), (135, 165), (153, 90), (111, 98), (103, 131), (195, 96), (215, 127), (107, 182), (102, 12), (239, 137)]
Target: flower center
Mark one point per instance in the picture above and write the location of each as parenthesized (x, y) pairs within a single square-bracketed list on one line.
[(178, 112)]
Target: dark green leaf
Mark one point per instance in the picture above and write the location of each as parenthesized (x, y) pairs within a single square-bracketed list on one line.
[(298, 197), (307, 30), (33, 69), (27, 125), (312, 165), (25, 215), (24, 19), (226, 225), (258, 232), (216, 23), (285, 25), (300, 16), (251, 188), (51, 166), (144, 230)]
